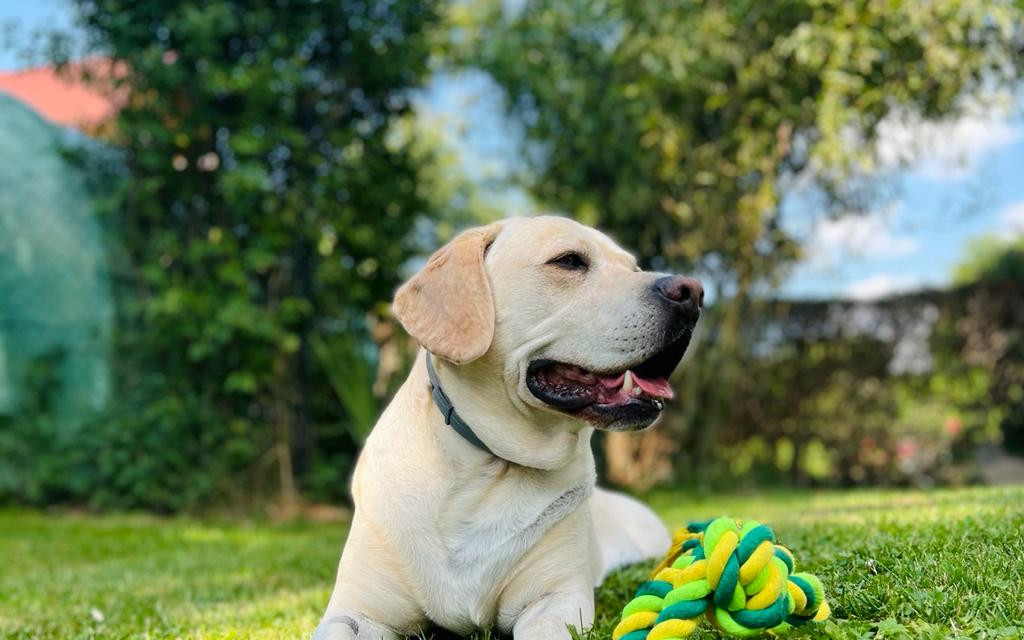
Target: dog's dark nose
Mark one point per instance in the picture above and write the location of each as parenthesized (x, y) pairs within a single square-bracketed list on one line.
[(680, 290)]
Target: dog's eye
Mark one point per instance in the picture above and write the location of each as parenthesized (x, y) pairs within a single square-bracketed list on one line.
[(570, 260)]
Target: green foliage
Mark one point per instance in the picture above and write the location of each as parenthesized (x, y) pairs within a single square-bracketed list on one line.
[(682, 128), (991, 259), (903, 564), (351, 375), (900, 391), (678, 125), (42, 457), (267, 207), (838, 394), (995, 321)]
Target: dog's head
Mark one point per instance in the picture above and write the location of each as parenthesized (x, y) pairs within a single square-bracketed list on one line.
[(556, 315)]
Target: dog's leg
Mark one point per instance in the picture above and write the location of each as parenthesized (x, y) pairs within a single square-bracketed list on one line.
[(550, 617), (345, 626), (369, 601), (627, 531)]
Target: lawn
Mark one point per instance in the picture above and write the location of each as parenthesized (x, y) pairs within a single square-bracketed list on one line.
[(896, 564)]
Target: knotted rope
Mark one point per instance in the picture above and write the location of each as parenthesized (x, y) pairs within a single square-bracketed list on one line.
[(731, 571)]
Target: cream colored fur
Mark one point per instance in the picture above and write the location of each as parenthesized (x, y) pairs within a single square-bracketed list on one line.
[(445, 534)]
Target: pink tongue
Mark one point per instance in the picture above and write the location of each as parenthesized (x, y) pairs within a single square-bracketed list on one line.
[(655, 387), (658, 387)]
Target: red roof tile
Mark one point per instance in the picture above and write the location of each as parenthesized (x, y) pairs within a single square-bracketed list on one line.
[(65, 98)]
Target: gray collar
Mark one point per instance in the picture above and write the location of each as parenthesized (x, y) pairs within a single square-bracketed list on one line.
[(451, 417)]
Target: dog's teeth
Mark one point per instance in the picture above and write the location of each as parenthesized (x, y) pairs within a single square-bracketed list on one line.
[(627, 382), (637, 391)]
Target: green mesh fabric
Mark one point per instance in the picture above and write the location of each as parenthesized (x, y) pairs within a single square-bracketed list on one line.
[(55, 292)]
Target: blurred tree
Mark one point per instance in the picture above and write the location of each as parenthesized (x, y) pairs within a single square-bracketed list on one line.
[(895, 391), (680, 126), (267, 206), (991, 328)]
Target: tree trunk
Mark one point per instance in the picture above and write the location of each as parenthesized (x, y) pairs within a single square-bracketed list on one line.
[(282, 398), (284, 427)]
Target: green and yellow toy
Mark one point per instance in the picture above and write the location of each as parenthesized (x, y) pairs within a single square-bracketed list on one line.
[(732, 572)]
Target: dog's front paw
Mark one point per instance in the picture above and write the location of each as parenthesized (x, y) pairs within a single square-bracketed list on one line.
[(342, 626), (338, 627)]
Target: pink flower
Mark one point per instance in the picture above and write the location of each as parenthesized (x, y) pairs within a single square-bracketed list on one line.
[(906, 449)]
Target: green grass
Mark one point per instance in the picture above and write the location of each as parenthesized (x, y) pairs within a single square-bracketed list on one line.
[(896, 564)]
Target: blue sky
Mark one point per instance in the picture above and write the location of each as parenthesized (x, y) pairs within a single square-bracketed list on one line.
[(19, 18), (967, 181), (971, 181)]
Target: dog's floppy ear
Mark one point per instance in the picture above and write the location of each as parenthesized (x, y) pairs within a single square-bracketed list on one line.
[(448, 306)]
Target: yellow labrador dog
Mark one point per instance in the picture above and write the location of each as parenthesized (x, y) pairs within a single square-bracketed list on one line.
[(475, 503)]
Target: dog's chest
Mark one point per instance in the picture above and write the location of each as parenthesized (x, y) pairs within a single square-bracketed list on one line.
[(486, 529)]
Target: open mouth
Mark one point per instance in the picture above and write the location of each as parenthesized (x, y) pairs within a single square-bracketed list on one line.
[(628, 399)]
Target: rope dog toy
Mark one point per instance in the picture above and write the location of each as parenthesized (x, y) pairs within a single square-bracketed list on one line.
[(731, 571)]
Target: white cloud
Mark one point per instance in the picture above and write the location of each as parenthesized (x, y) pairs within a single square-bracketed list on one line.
[(868, 235), (946, 150), (1011, 219), (881, 285)]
